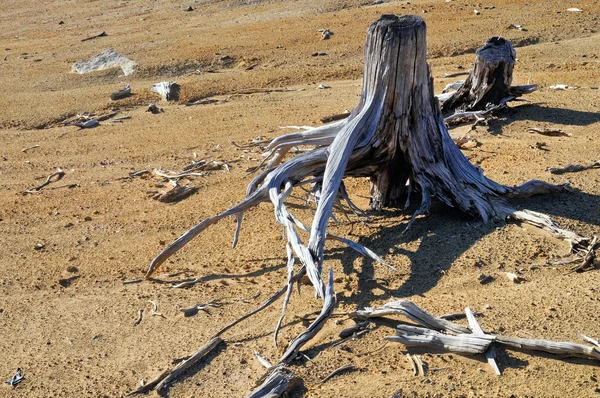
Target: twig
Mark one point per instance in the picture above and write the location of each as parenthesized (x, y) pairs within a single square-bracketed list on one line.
[(420, 366), (193, 310), (413, 364), (30, 148), (101, 34), (339, 370), (59, 174), (132, 281), (590, 340), (183, 366), (139, 317)]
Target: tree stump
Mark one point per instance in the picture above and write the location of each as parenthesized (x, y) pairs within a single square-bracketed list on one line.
[(396, 137), (490, 80)]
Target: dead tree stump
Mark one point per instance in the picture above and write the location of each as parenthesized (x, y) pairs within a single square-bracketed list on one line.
[(489, 83), (396, 137)]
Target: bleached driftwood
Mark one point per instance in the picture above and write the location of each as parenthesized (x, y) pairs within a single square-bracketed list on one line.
[(490, 80), (412, 312), (477, 342), (276, 382), (169, 91), (185, 365), (413, 336)]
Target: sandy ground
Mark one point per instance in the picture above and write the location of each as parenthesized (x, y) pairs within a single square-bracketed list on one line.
[(77, 338)]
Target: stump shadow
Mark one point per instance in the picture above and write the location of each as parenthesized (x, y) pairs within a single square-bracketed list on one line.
[(540, 113), (443, 236)]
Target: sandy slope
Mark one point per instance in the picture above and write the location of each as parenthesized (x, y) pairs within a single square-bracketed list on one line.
[(110, 232)]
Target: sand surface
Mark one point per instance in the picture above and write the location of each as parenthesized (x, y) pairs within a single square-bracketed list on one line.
[(76, 338)]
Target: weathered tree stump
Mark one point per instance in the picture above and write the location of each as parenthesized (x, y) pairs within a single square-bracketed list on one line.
[(489, 83), (397, 137)]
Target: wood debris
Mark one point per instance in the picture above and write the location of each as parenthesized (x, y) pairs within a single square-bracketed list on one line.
[(101, 34), (155, 309), (120, 94), (25, 150), (349, 331), (325, 33), (175, 194), (132, 281), (152, 108), (574, 9), (466, 143), (193, 310), (573, 168), (514, 278), (54, 177), (559, 87), (516, 26), (262, 360), (169, 91), (275, 383), (139, 317), (477, 342), (551, 132)]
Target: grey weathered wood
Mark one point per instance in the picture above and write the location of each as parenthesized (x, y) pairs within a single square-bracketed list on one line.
[(413, 336), (277, 381), (553, 347), (489, 81), (411, 311), (169, 91), (490, 353)]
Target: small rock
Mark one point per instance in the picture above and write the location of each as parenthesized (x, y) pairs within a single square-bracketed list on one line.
[(39, 246), (323, 86), (188, 9), (476, 12), (87, 218), (72, 269)]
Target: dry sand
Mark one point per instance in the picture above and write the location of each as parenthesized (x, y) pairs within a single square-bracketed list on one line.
[(80, 340)]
